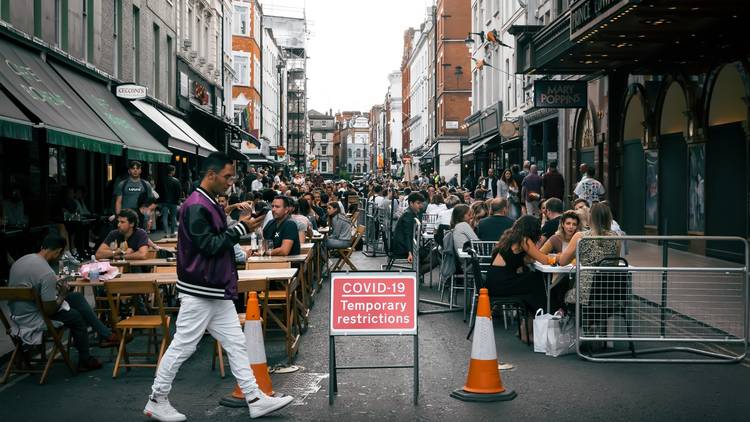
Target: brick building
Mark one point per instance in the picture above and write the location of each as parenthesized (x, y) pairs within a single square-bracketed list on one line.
[(246, 56)]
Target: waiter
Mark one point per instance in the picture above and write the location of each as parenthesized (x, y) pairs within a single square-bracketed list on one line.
[(207, 282)]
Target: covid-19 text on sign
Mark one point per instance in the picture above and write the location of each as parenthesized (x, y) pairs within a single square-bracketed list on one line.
[(373, 303)]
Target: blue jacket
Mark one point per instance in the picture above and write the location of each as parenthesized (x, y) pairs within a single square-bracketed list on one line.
[(205, 249)]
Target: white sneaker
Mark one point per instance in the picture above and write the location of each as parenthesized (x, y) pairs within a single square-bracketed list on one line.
[(158, 408), (263, 404)]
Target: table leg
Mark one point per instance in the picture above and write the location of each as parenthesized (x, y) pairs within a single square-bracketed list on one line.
[(548, 288)]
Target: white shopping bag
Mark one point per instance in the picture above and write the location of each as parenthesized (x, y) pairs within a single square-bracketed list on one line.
[(561, 336), (540, 330)]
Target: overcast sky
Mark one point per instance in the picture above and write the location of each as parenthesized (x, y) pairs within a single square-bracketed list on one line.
[(353, 46)]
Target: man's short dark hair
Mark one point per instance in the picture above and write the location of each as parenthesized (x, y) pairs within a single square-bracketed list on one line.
[(414, 197), (579, 200), (553, 164), (268, 195), (555, 205), (53, 242), (377, 189), (129, 214), (287, 200), (590, 171), (171, 169), (134, 164), (223, 195), (215, 162)]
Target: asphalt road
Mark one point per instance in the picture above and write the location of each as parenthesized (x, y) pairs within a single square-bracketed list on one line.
[(558, 389)]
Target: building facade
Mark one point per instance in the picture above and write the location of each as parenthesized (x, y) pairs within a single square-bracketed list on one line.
[(272, 91), (247, 32), (661, 120), (419, 94), (322, 129), (393, 122)]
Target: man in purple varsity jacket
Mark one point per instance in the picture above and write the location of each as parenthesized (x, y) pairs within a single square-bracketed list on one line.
[(207, 282)]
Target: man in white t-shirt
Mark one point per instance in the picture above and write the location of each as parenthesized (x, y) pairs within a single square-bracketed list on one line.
[(589, 188)]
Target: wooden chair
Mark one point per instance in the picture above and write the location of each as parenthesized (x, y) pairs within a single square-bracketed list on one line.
[(243, 287), (146, 322), (346, 253), (52, 333), (279, 304), (166, 270)]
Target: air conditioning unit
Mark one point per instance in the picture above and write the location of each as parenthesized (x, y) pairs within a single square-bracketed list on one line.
[(193, 55), (186, 44)]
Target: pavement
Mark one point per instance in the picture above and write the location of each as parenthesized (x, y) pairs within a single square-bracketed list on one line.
[(561, 389)]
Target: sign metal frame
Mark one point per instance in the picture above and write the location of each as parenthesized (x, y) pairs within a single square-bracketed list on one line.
[(333, 368)]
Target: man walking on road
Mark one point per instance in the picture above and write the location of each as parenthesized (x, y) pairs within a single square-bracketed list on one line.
[(531, 191), (589, 188), (207, 282), (553, 184)]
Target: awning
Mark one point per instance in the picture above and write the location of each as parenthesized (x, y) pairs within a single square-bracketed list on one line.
[(139, 143), (454, 160), (204, 147), (177, 138), (235, 154), (68, 120), (476, 145), (257, 159), (13, 123)]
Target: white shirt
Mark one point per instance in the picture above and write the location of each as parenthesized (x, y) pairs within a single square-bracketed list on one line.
[(589, 189), (257, 185), (444, 217), (435, 208)]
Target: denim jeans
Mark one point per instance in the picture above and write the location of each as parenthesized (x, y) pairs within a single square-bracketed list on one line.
[(169, 215), (78, 319)]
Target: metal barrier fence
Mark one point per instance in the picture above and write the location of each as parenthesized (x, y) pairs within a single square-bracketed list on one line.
[(373, 230), (680, 301)]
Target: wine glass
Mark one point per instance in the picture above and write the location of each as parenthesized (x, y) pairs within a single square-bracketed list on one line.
[(269, 246)]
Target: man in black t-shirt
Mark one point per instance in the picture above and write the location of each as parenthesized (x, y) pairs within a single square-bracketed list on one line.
[(127, 241), (553, 209), (282, 230), (490, 229)]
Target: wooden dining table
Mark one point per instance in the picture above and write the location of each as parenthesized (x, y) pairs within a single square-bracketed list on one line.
[(288, 323)]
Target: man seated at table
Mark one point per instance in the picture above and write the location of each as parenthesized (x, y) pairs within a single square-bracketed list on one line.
[(404, 233), (35, 271), (133, 241), (493, 227), (282, 230)]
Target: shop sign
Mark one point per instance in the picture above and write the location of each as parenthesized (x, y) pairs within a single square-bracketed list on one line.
[(131, 92), (451, 124), (508, 129), (560, 94), (280, 151), (585, 14)]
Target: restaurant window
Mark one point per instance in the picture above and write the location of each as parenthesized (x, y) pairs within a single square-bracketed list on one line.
[(155, 65), (136, 44)]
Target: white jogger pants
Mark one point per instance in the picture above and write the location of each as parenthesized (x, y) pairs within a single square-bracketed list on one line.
[(196, 316)]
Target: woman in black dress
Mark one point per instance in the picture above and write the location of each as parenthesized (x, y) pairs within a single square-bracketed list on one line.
[(508, 275)]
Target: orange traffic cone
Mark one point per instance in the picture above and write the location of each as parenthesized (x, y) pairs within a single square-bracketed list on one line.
[(483, 382), (256, 352)]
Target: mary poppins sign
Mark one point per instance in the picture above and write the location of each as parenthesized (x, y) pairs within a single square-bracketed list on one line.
[(560, 94)]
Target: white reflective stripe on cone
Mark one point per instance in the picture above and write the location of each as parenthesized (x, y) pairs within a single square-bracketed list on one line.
[(256, 349), (483, 344)]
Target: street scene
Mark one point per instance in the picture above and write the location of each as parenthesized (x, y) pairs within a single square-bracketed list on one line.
[(336, 209)]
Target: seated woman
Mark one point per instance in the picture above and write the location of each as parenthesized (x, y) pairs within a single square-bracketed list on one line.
[(516, 248), (556, 244), (460, 224), (340, 235), (569, 226), (592, 251)]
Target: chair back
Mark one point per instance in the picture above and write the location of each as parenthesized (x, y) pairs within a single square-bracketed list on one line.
[(267, 265), (27, 294), (172, 269), (115, 288), (429, 222), (360, 231)]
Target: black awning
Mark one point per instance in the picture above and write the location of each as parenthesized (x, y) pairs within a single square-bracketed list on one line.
[(68, 120), (235, 154), (139, 143), (637, 36), (13, 123)]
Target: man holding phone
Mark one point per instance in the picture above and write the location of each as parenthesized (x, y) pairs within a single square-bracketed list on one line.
[(207, 283)]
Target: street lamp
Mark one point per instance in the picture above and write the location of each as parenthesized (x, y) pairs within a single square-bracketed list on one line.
[(492, 37), (470, 41)]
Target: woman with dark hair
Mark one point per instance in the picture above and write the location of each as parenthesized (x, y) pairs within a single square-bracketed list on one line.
[(516, 248), (508, 187), (341, 227), (460, 224)]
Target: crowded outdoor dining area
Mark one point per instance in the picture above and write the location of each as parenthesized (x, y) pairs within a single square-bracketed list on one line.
[(155, 278)]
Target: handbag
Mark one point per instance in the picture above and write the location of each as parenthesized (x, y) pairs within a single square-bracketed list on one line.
[(540, 330), (561, 336)]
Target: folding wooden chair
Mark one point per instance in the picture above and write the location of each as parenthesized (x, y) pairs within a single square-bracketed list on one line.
[(243, 287), (51, 333), (279, 305), (145, 322), (346, 253)]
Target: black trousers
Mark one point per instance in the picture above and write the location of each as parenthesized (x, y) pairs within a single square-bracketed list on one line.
[(78, 319)]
